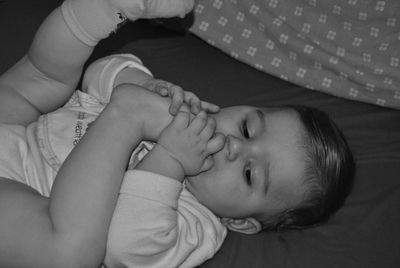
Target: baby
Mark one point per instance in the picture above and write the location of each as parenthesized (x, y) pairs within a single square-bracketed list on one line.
[(241, 168), (277, 167)]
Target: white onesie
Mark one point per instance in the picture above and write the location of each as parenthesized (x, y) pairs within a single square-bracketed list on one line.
[(157, 222)]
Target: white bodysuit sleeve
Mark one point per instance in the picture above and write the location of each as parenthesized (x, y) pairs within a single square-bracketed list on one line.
[(99, 78), (157, 223)]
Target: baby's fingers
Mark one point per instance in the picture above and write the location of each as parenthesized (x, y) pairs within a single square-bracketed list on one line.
[(199, 122), (216, 143), (177, 95), (209, 107), (181, 120), (165, 89), (193, 101), (209, 128), (207, 164), (158, 86)]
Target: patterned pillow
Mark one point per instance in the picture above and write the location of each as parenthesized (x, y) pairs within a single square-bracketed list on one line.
[(346, 48)]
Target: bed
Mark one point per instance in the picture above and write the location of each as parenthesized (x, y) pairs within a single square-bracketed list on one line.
[(364, 233)]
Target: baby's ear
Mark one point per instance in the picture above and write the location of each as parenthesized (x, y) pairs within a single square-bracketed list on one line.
[(245, 226)]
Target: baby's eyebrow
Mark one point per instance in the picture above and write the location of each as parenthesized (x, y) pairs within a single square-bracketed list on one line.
[(266, 177), (261, 117)]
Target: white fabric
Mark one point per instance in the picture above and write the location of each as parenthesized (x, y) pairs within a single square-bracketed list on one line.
[(346, 48), (74, 25), (21, 160), (100, 76), (90, 27), (151, 228)]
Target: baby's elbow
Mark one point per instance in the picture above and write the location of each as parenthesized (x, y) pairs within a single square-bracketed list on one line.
[(77, 255)]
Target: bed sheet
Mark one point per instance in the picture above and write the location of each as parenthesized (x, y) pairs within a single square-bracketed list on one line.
[(349, 48), (364, 233)]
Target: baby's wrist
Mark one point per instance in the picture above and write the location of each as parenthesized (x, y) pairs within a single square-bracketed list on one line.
[(176, 168), (160, 161)]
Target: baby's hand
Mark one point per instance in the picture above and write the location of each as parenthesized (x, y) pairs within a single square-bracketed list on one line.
[(135, 9), (140, 104), (179, 97), (192, 143)]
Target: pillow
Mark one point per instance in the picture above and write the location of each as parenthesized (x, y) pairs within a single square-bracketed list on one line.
[(345, 48)]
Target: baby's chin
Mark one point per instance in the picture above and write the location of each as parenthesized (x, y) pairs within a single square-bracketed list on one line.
[(194, 184)]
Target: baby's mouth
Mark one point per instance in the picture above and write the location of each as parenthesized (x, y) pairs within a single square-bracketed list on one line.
[(227, 146)]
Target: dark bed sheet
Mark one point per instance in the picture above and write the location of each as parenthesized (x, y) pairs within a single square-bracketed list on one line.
[(364, 233)]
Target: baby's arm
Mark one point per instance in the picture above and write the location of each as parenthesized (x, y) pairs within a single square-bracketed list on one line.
[(69, 229), (184, 147)]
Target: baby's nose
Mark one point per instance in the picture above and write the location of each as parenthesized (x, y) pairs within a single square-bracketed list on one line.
[(234, 146)]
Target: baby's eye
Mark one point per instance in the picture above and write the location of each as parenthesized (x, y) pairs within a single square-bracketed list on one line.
[(247, 174), (245, 129)]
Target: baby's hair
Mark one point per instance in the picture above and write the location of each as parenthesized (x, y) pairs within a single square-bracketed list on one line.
[(328, 175)]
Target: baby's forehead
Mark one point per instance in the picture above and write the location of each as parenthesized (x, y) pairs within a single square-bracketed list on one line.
[(284, 116)]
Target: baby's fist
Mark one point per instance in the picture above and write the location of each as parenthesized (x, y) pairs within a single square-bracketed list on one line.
[(191, 143)]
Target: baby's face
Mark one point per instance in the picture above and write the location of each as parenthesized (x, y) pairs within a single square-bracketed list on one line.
[(259, 169)]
